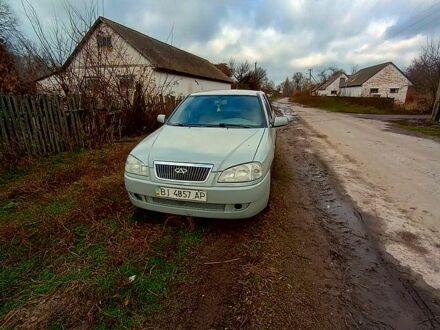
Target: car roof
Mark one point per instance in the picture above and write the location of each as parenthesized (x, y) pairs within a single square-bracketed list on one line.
[(229, 92)]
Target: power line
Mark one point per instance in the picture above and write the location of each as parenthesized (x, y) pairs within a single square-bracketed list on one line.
[(420, 20)]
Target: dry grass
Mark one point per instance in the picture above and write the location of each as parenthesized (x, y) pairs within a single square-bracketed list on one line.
[(350, 104), (70, 241)]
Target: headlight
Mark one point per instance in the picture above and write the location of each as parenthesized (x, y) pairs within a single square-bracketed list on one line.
[(242, 173), (135, 166)]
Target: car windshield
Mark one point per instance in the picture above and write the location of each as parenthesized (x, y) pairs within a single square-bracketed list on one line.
[(242, 111)]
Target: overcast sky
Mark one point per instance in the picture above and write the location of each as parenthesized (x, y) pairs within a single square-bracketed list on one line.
[(283, 36)]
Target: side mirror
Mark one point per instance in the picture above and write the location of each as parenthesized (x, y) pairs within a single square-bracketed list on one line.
[(280, 121), (161, 118)]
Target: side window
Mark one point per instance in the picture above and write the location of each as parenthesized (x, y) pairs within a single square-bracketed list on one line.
[(268, 108)]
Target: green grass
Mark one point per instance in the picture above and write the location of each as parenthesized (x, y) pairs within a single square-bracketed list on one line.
[(146, 282), (81, 239), (428, 127), (12, 174)]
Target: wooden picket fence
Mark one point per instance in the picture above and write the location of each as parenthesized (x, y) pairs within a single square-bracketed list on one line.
[(40, 124)]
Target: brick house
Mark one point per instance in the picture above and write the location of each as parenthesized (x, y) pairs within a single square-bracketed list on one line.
[(382, 80), (332, 86)]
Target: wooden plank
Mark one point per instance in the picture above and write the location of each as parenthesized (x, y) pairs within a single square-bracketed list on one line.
[(15, 135), (54, 123), (27, 123), (41, 141), (38, 100), (32, 123), (7, 118), (58, 113), (5, 137), (16, 101), (50, 129), (74, 128)]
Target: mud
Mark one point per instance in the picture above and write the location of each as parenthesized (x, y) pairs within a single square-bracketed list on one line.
[(311, 260)]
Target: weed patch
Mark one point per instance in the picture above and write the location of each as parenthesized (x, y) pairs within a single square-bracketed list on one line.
[(423, 127), (74, 253)]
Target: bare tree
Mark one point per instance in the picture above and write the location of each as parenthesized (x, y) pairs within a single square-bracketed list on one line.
[(354, 68), (424, 70), (58, 40), (239, 70), (8, 22), (326, 73), (247, 76), (103, 68), (298, 80), (287, 87)]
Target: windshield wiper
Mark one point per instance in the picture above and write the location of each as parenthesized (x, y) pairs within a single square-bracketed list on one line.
[(186, 125), (233, 125)]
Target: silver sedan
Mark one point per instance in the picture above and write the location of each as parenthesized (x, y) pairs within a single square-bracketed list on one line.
[(212, 157)]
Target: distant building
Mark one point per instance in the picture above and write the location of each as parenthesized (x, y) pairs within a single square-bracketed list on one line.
[(436, 109), (113, 54), (332, 86), (382, 80)]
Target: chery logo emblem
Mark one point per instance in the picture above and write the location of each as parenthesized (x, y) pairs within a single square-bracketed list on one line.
[(180, 170)]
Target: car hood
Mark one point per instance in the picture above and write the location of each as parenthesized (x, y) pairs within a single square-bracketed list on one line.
[(222, 147)]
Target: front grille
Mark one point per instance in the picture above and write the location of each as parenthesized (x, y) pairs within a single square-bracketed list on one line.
[(182, 171), (190, 205)]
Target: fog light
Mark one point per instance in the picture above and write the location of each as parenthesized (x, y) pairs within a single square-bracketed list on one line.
[(238, 206)]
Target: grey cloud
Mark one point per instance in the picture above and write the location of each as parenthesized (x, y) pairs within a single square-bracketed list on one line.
[(283, 35), (426, 21)]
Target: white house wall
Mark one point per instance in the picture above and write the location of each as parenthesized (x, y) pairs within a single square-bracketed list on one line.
[(121, 53), (351, 91), (334, 86), (182, 85)]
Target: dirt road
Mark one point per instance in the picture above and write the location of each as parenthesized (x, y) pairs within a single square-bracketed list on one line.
[(312, 260), (393, 177)]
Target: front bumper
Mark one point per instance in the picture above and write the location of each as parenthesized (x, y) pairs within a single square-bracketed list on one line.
[(221, 203)]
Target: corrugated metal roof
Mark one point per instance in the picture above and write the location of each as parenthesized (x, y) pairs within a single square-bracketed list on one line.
[(162, 55)]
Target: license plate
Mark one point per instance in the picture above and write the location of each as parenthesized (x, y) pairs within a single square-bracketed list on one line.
[(182, 194)]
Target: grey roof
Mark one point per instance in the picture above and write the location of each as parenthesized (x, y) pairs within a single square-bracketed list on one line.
[(330, 80), (363, 75), (316, 87), (161, 55)]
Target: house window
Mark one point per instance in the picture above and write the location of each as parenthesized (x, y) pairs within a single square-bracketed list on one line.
[(374, 90), (126, 81), (104, 41), (394, 90), (334, 92), (341, 81)]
